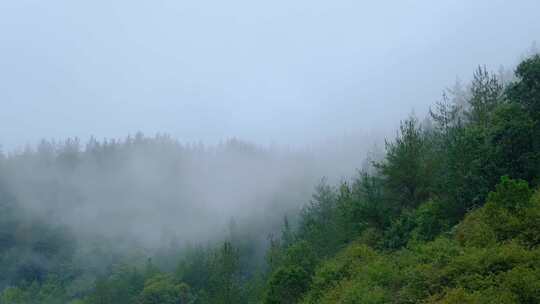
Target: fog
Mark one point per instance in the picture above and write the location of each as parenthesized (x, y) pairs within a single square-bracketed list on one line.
[(282, 72), (148, 193), (258, 101)]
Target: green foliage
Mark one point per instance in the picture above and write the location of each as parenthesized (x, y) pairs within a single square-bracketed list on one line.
[(511, 194), (291, 279), (318, 221), (491, 258), (122, 286), (510, 214), (224, 281), (475, 231), (405, 169), (422, 224), (430, 221), (330, 273), (526, 91), (162, 289), (461, 180), (14, 295), (511, 136), (362, 206), (441, 271), (399, 232), (428, 181), (51, 291), (194, 269), (486, 92), (287, 284)]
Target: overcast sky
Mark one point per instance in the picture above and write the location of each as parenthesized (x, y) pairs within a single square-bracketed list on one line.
[(277, 71)]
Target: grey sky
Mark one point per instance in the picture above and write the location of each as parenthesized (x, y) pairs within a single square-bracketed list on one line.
[(274, 71)]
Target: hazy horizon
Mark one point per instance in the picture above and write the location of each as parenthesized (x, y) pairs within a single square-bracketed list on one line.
[(284, 73)]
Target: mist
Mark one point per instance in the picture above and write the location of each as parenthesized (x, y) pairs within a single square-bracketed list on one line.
[(311, 86), (209, 71), (131, 130), (144, 193), (310, 90)]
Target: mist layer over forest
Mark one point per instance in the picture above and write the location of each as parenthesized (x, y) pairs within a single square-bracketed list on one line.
[(140, 196), (284, 152), (151, 220), (150, 188)]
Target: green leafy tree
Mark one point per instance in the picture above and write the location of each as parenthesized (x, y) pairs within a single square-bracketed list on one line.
[(511, 138), (486, 92), (318, 221), (291, 279), (526, 90), (194, 269), (526, 93), (405, 169), (163, 289), (225, 276)]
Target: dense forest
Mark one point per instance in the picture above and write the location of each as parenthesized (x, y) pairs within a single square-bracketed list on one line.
[(449, 213)]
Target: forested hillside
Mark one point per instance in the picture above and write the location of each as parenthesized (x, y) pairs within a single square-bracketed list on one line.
[(449, 214)]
